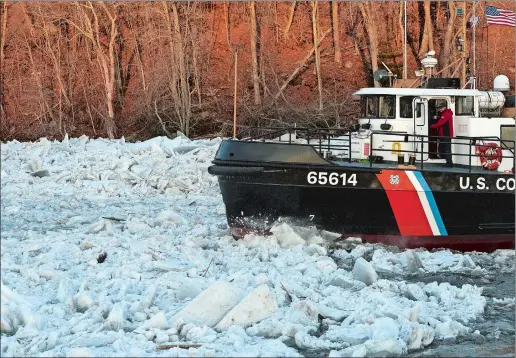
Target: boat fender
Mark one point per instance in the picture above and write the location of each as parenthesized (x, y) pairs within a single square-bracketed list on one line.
[(233, 171), (490, 155)]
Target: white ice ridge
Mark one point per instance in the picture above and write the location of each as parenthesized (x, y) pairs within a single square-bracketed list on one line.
[(124, 246)]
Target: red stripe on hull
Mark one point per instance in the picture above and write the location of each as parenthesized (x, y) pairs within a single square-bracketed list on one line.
[(405, 203)]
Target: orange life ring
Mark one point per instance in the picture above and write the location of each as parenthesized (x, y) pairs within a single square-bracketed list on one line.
[(490, 155)]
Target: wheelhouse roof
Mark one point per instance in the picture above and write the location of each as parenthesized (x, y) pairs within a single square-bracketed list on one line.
[(376, 91)]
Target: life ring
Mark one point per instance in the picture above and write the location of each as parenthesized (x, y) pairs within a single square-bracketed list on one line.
[(490, 155)]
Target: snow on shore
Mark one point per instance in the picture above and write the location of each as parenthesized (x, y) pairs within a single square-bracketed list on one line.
[(112, 248)]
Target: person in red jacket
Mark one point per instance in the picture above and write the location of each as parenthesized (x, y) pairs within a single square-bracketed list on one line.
[(445, 131)]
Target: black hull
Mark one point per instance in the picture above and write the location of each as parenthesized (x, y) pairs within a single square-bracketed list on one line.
[(402, 207)]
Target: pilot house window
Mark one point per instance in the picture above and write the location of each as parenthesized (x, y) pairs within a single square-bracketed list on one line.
[(464, 106), (406, 106), (378, 106)]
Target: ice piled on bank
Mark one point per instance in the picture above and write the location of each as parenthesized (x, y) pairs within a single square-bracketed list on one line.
[(157, 213)]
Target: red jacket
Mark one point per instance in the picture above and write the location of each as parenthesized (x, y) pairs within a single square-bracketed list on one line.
[(445, 123)]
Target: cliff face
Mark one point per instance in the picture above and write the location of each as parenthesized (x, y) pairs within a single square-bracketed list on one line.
[(62, 71)]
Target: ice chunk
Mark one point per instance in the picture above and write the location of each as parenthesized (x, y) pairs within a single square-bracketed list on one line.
[(328, 312), (268, 328), (136, 227), (351, 334), (157, 321), (101, 225), (256, 306), (190, 288), (149, 297), (340, 280), (467, 262), (82, 302), (286, 236), (209, 307), (172, 265), (78, 352), (303, 312), (34, 164), (384, 328), (161, 337), (306, 341), (372, 348), (364, 271), (141, 171), (416, 293), (170, 216), (182, 149), (329, 236), (413, 261), (315, 249), (417, 336), (360, 251), (450, 329), (413, 314), (326, 263), (5, 323), (116, 318)]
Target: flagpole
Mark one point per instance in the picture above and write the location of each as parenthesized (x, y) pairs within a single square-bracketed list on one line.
[(405, 40)]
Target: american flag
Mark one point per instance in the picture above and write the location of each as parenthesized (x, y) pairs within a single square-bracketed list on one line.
[(497, 16)]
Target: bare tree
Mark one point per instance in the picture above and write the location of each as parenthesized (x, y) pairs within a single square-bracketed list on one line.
[(315, 35), (255, 52), (427, 43), (336, 30), (3, 27), (180, 69), (368, 11), (90, 27), (291, 13), (446, 55), (227, 22)]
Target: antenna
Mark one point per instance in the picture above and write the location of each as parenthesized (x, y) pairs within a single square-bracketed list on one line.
[(387, 68)]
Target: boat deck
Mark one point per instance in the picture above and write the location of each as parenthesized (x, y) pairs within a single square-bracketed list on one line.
[(430, 167)]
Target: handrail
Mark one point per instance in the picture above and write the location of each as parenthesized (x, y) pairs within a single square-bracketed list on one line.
[(328, 140)]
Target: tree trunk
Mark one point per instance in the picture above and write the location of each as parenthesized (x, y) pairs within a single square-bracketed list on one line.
[(227, 22), (185, 106), (336, 30), (110, 73), (368, 14), (446, 56), (315, 35), (427, 43), (290, 17), (3, 27), (255, 52)]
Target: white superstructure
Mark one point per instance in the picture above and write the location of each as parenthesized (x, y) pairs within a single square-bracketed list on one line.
[(411, 111)]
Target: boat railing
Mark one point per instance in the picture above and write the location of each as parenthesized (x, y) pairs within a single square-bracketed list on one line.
[(420, 140), (337, 143)]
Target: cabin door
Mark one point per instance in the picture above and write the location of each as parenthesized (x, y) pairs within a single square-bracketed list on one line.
[(420, 139)]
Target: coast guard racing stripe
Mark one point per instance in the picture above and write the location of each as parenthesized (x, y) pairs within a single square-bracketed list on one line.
[(412, 203)]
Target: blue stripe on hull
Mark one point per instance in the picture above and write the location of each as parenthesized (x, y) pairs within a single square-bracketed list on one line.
[(433, 204)]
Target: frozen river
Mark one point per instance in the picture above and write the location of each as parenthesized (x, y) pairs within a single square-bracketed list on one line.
[(118, 249)]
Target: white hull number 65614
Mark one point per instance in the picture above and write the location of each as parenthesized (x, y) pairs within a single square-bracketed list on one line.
[(323, 178)]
